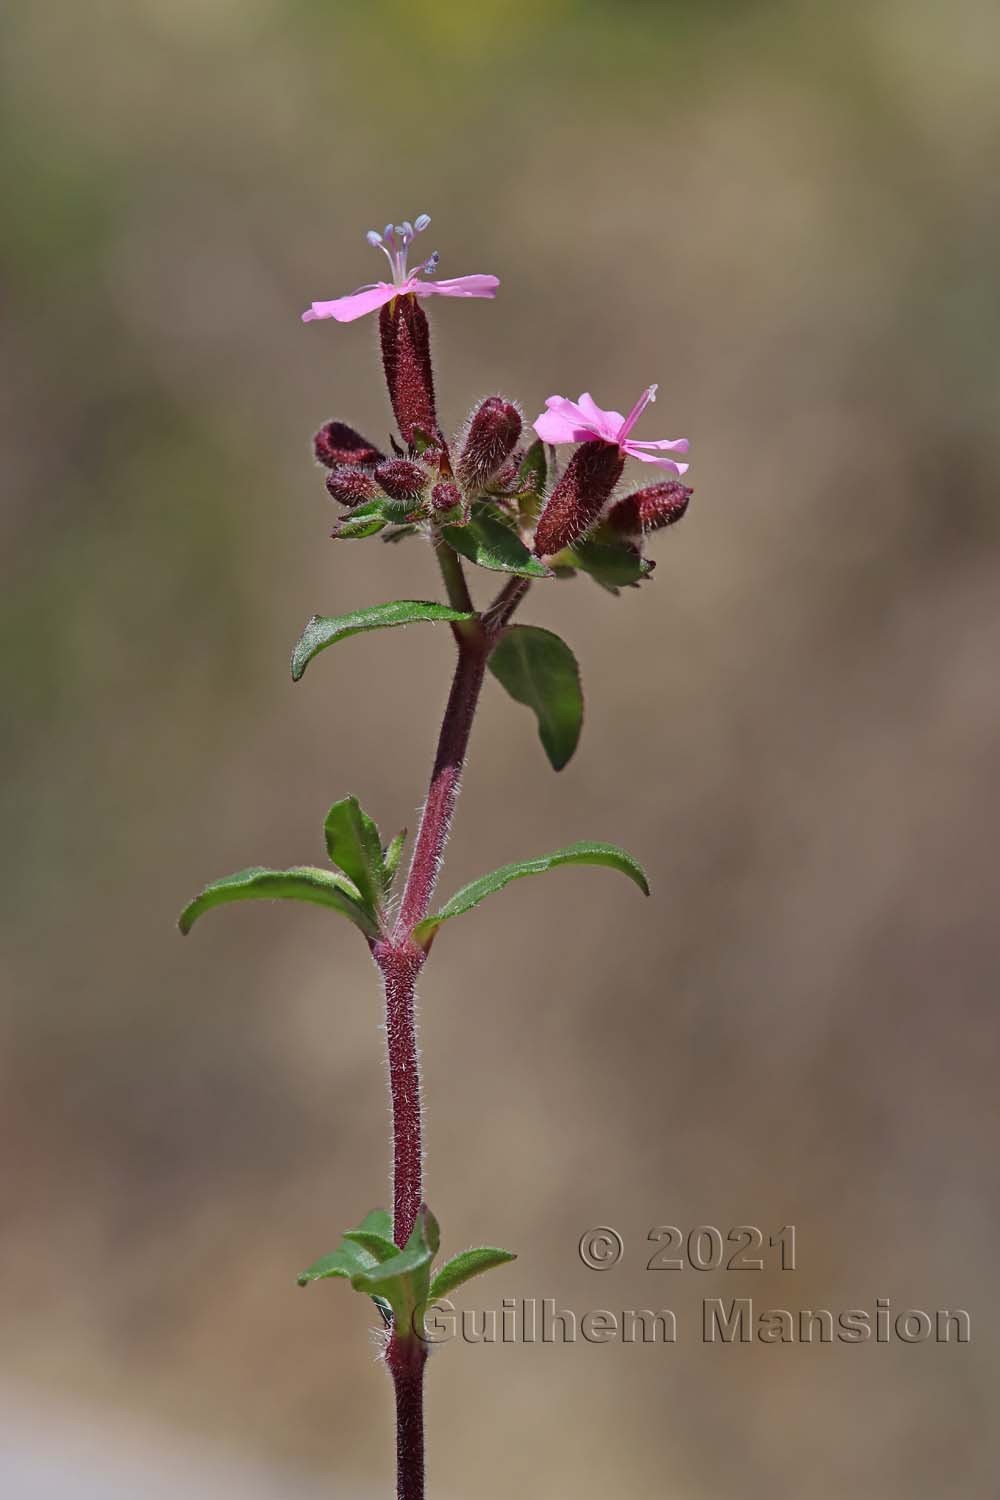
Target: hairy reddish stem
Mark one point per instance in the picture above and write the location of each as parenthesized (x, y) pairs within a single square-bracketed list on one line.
[(400, 960), (435, 821), (406, 1359), (400, 964)]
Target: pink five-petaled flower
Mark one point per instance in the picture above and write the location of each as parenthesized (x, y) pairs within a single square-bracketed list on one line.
[(583, 421), (394, 243)]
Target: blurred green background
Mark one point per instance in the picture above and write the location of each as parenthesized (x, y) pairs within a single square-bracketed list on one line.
[(786, 213)]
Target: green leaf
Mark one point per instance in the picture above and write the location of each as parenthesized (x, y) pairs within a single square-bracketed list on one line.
[(377, 1222), (390, 860), (463, 1267), (613, 565), (347, 1261), (490, 544), (378, 1246), (404, 1279), (324, 630), (360, 1250), (362, 521), (302, 883), (374, 515), (353, 843), (538, 669), (582, 853)]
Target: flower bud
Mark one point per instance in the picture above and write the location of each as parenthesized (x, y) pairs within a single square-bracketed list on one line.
[(650, 509), (579, 497), (445, 495), (349, 485), (336, 443), (406, 359), (402, 479), (491, 438)]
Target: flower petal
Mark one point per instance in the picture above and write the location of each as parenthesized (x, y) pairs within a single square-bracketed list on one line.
[(563, 422), (345, 309), (458, 286), (635, 451), (670, 445), (553, 427), (607, 423)]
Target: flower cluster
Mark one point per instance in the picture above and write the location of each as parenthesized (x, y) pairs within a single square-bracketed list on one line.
[(489, 475)]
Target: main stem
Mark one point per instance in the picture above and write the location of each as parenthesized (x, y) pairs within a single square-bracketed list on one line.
[(400, 960)]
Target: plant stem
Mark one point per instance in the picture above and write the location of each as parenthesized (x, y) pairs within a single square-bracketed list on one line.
[(400, 960), (435, 821), (400, 964), (454, 578), (406, 1359)]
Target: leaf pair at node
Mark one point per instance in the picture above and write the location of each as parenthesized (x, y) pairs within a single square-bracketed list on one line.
[(359, 893), (400, 1282)]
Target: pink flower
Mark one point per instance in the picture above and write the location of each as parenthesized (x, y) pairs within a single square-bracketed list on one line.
[(583, 421), (394, 243)]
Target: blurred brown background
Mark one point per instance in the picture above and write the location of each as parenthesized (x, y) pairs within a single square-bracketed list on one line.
[(786, 214)]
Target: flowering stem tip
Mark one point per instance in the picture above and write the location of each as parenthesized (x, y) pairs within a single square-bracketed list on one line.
[(394, 242)]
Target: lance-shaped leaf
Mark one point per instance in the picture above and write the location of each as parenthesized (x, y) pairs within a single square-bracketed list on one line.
[(490, 544), (302, 883), (324, 630), (353, 843), (582, 853), (463, 1267), (538, 669)]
